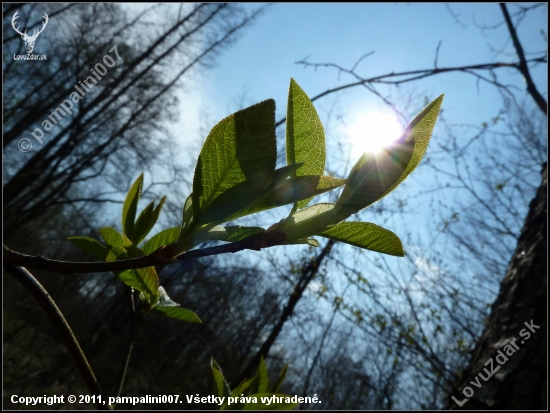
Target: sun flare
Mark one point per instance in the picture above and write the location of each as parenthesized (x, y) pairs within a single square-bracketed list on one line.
[(373, 131)]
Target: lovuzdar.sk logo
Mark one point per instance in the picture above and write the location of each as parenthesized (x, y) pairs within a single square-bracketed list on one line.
[(29, 40)]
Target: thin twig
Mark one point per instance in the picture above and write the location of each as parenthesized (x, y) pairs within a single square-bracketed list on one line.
[(308, 273), (394, 78), (126, 361), (522, 66), (437, 54), (455, 16), (56, 316)]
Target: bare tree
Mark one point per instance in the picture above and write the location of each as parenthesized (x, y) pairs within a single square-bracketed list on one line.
[(85, 162), (521, 307), (396, 336), (431, 310), (116, 126)]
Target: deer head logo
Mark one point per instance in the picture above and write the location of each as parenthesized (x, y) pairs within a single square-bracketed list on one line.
[(29, 40)]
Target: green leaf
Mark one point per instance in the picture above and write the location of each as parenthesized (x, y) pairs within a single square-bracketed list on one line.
[(376, 175), (157, 210), (284, 172), (220, 383), (309, 241), (215, 366), (116, 253), (146, 221), (112, 237), (280, 380), (107, 253), (134, 252), (129, 277), (373, 175), (264, 378), (130, 206), (183, 242), (126, 240), (366, 235), (91, 246), (187, 214), (142, 223), (305, 136), (222, 388), (291, 190), (238, 233), (234, 233), (180, 313), (308, 221), (244, 387), (241, 148), (253, 389), (144, 280), (297, 189), (165, 237), (232, 201), (217, 232), (420, 131)]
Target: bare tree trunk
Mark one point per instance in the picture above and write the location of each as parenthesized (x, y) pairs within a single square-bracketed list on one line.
[(516, 328)]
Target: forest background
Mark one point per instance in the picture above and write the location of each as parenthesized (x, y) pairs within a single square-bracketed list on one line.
[(358, 329)]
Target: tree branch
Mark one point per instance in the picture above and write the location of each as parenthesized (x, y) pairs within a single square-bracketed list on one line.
[(308, 273), (409, 76), (161, 256), (522, 65), (56, 316)]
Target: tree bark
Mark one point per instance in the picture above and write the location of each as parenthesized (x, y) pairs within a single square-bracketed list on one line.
[(519, 382)]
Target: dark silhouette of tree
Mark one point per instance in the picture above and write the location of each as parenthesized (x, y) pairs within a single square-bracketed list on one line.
[(307, 273), (60, 188), (517, 382), (116, 127), (521, 306)]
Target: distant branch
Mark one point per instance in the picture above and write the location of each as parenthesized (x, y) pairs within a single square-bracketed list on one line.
[(398, 78), (307, 274), (126, 360), (455, 16), (56, 316), (437, 54), (522, 65)]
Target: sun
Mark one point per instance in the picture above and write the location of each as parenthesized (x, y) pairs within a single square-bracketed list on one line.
[(373, 131)]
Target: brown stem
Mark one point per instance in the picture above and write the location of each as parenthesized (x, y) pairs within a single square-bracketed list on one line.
[(161, 256), (56, 316), (126, 361)]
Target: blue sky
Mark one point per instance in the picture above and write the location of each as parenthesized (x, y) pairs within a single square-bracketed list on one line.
[(403, 37)]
